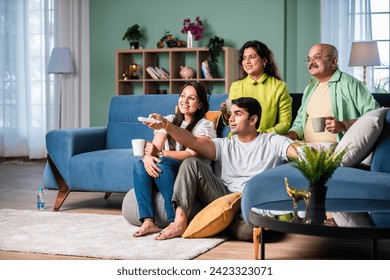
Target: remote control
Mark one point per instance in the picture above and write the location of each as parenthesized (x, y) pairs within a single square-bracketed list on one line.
[(149, 120)]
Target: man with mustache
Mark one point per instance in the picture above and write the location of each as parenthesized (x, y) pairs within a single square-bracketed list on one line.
[(333, 94)]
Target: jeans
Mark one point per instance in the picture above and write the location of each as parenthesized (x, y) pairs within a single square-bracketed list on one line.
[(144, 186)]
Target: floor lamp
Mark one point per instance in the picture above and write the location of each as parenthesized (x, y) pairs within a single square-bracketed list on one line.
[(364, 54), (60, 63)]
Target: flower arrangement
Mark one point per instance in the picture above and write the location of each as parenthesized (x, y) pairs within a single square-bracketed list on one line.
[(196, 28)]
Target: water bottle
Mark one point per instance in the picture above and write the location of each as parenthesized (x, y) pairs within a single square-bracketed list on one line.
[(40, 199)]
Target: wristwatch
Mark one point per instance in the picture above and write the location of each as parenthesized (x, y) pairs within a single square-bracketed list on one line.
[(160, 154)]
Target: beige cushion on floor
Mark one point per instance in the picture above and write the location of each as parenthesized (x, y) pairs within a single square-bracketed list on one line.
[(130, 209)]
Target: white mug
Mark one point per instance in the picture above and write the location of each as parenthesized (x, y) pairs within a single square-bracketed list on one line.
[(228, 103), (138, 147)]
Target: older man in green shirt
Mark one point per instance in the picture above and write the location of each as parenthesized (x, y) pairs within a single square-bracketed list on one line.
[(332, 94)]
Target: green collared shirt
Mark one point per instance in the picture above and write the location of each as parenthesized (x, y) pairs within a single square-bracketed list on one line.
[(349, 98), (274, 98)]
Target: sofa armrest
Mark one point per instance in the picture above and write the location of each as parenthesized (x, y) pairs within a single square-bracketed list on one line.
[(62, 144)]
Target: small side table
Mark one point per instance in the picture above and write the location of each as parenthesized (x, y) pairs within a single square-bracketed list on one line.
[(259, 218)]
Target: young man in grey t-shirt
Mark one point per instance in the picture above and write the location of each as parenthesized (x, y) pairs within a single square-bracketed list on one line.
[(240, 157)]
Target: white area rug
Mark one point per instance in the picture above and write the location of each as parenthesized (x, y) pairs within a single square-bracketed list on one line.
[(90, 235)]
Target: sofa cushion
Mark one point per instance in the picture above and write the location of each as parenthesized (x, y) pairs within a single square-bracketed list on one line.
[(215, 217), (360, 139), (380, 157), (123, 124), (104, 171), (214, 117)]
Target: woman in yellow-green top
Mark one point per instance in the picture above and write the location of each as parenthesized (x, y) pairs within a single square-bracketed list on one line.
[(260, 79)]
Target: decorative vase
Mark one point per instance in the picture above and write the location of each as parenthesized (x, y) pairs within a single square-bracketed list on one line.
[(190, 39), (317, 212)]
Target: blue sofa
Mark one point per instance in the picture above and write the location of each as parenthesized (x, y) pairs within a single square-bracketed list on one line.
[(100, 159), (372, 182)]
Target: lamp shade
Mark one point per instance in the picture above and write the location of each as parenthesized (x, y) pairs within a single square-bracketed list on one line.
[(60, 62), (364, 54)]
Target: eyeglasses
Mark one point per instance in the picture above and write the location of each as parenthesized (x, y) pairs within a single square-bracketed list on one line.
[(316, 58), (250, 57)]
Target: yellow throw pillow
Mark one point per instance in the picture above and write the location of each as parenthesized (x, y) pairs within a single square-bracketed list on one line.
[(215, 217), (213, 116)]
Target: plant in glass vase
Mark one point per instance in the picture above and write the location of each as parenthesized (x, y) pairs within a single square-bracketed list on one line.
[(193, 30), (317, 166)]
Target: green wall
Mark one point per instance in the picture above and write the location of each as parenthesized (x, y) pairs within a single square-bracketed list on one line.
[(288, 27)]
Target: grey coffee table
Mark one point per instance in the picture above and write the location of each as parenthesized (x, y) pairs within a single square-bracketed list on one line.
[(278, 216)]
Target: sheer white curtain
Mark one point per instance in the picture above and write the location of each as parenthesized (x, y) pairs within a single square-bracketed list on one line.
[(73, 32), (343, 22), (29, 96), (26, 38)]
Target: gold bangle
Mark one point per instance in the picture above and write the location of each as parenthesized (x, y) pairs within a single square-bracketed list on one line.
[(167, 125)]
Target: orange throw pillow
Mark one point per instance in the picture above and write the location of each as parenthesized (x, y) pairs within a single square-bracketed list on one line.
[(215, 217)]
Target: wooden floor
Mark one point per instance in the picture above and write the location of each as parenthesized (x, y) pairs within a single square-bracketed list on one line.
[(19, 180)]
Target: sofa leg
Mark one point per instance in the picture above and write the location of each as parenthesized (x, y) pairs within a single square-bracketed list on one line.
[(256, 241), (61, 196), (63, 189), (107, 195)]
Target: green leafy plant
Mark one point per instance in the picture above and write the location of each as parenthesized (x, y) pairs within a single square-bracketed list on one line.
[(133, 34), (317, 166), (214, 46)]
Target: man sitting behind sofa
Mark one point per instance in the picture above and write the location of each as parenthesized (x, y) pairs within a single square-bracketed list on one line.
[(241, 157), (332, 94)]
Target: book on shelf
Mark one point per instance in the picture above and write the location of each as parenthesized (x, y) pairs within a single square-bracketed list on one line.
[(161, 73), (155, 72), (165, 72), (206, 70), (152, 72)]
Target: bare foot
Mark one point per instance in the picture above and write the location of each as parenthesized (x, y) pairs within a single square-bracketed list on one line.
[(174, 229), (147, 227)]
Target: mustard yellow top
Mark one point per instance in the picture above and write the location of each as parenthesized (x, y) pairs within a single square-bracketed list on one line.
[(274, 98)]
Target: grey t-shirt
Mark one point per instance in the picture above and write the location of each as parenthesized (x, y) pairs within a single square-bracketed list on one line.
[(238, 161)]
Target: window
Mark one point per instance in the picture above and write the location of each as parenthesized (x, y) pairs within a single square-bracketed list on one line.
[(380, 20), (26, 36)]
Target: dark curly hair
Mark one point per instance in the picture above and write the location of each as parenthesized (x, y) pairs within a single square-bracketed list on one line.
[(264, 52)]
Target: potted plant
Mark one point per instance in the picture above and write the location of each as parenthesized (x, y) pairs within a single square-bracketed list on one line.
[(133, 35), (214, 46), (317, 166)]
